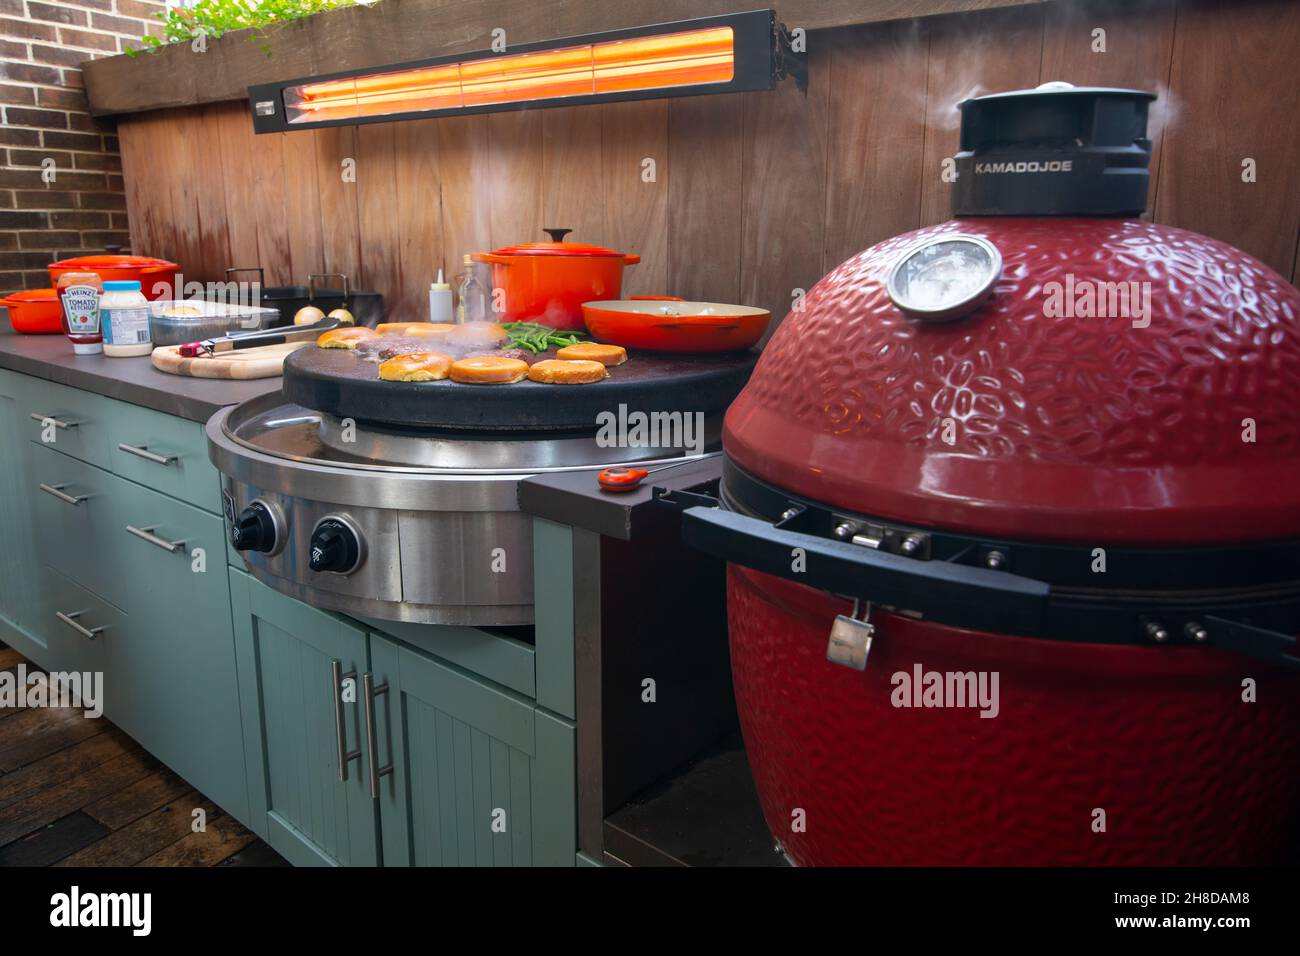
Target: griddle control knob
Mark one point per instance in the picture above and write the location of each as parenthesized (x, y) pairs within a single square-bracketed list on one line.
[(255, 529), (335, 546)]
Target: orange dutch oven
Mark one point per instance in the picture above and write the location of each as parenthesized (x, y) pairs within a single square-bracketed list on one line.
[(156, 276), (547, 282), (35, 311)]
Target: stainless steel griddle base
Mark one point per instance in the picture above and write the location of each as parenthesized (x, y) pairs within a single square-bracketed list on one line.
[(444, 539)]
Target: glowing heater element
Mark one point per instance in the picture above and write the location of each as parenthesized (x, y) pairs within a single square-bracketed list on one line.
[(687, 58)]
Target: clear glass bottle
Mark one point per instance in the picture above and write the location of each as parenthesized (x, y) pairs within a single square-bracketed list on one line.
[(472, 298)]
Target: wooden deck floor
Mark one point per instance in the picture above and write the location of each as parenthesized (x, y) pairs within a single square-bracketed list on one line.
[(80, 792)]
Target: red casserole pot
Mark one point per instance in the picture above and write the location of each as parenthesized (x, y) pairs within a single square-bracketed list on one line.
[(547, 282), (156, 276), (939, 482), (35, 312)]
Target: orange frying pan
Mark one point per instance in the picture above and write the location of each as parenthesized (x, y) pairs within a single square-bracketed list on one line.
[(667, 324)]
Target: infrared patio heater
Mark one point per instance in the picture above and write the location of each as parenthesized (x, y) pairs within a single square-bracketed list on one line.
[(733, 53)]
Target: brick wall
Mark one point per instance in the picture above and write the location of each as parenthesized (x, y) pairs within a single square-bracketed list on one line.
[(42, 43)]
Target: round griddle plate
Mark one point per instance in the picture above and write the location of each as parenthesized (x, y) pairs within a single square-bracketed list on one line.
[(340, 382)]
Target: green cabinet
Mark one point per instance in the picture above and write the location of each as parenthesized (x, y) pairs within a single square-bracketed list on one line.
[(18, 565), (449, 769), (175, 660), (338, 744), (311, 806), (111, 575), (480, 776)]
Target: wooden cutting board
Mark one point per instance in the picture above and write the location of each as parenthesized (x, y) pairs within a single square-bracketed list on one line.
[(264, 361)]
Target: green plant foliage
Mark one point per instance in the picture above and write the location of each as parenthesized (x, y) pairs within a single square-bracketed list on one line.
[(214, 18)]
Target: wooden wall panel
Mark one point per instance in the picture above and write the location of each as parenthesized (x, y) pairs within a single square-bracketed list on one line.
[(335, 178), (178, 149), (235, 176), (876, 136), (143, 210), (466, 189), (636, 196), (752, 195), (210, 204), (1138, 42), (377, 211), (266, 171), (302, 205), (419, 210), (573, 174), (969, 56), (515, 168), (1234, 91), (785, 190), (705, 148)]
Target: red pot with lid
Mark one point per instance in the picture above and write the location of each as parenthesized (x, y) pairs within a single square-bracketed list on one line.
[(157, 277), (1013, 528), (34, 311), (547, 282)]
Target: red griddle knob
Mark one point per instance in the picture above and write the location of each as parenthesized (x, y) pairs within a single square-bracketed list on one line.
[(621, 479)]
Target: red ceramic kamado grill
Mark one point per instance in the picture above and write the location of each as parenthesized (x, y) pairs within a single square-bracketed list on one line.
[(1012, 514)]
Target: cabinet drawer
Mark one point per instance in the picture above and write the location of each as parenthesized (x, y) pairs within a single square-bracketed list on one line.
[(76, 525), (78, 627), (178, 659), (67, 419), (175, 553), (165, 453)]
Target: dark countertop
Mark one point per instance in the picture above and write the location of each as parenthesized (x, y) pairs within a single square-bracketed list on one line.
[(574, 498), (133, 380)]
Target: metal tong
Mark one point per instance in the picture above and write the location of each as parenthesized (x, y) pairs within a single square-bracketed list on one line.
[(244, 340)]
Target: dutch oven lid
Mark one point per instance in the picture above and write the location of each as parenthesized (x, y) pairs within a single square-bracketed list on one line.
[(34, 295), (1057, 150), (111, 262), (556, 247)]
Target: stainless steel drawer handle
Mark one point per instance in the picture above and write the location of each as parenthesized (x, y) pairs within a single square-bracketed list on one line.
[(340, 724), (142, 451), (38, 417), (70, 619), (58, 492), (372, 741), (147, 534)]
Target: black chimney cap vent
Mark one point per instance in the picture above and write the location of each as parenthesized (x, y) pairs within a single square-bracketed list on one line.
[(1058, 150)]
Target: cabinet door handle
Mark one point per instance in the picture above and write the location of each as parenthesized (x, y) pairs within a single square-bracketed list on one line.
[(372, 739), (58, 492), (146, 534), (142, 451), (70, 619), (337, 677), (57, 423)]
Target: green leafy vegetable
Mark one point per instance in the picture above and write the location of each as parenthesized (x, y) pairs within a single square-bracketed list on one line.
[(214, 18), (539, 338)]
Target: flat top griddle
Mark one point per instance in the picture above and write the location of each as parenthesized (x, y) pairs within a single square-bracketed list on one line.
[(342, 383)]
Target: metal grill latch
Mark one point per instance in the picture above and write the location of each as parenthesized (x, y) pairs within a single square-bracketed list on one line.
[(851, 636)]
